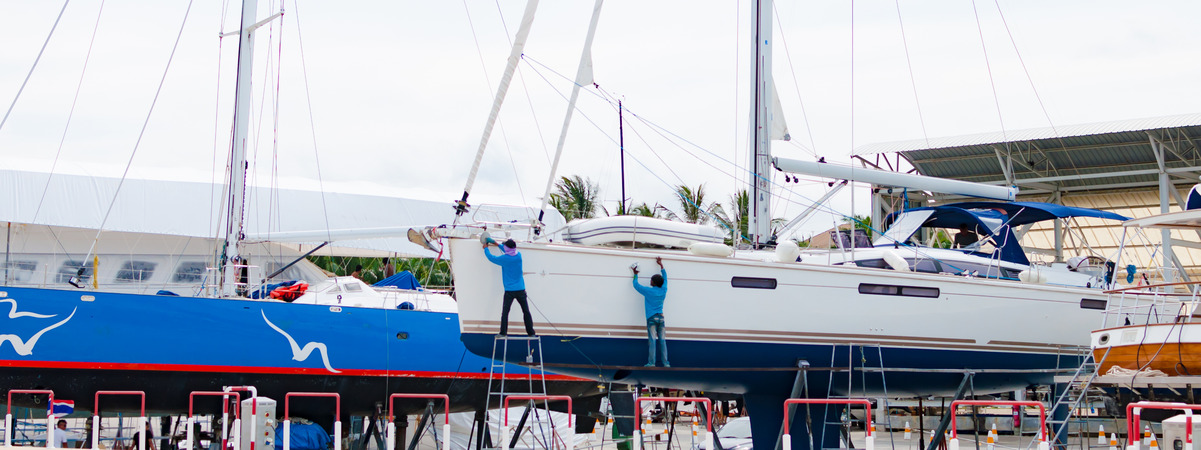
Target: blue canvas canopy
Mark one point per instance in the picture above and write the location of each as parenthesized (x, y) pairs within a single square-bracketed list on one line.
[(402, 280), (997, 220)]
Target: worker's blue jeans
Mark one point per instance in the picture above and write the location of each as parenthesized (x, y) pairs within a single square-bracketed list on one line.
[(654, 332)]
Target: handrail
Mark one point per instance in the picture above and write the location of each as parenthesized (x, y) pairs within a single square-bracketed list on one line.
[(1042, 418), (390, 430), (1133, 410), (871, 439), (288, 418), (8, 416), (708, 410), (192, 420), (236, 429), (141, 417), (504, 429)]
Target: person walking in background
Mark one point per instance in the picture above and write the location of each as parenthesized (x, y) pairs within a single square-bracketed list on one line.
[(514, 281), (653, 301)]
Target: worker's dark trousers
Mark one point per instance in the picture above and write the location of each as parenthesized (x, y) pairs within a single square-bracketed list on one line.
[(525, 312)]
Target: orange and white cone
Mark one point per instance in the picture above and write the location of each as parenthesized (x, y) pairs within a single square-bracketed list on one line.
[(1147, 439), (1101, 435), (992, 437), (908, 431), (1113, 441)]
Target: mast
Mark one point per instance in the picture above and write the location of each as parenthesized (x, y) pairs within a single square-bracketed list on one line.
[(761, 107), (621, 145), (237, 153)]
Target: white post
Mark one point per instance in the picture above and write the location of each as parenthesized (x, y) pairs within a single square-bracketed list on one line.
[(145, 423), (187, 423), (8, 430), (288, 434), (870, 443), (337, 435), (235, 430), (50, 427), (708, 438), (445, 436), (638, 436), (571, 435), (787, 442), (390, 434), (504, 434), (96, 431), (954, 444)]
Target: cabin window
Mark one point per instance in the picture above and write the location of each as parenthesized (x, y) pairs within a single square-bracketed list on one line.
[(135, 271), (753, 282), (905, 291), (70, 268), (189, 272), (19, 271), (1091, 303), (352, 287)]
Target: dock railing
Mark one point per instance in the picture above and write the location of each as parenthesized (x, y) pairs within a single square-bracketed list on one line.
[(390, 429), (288, 418), (8, 416), (869, 444), (708, 416), (1133, 410), (143, 421)]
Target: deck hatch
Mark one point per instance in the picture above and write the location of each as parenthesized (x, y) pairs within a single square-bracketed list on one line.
[(906, 291), (753, 282), (1092, 303)]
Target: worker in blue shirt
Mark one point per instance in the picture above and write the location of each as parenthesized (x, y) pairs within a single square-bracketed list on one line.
[(654, 295), (514, 281)]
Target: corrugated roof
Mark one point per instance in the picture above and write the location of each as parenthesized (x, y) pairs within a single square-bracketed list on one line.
[(1087, 132)]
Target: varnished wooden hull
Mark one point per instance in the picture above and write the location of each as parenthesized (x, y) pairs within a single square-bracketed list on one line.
[(1173, 348)]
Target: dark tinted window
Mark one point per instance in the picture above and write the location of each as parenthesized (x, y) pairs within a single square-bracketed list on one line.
[(18, 271), (135, 271), (1089, 303), (189, 272), (70, 268), (753, 283), (907, 291)]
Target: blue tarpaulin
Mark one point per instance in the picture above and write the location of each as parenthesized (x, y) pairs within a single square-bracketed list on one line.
[(402, 280), (305, 436)]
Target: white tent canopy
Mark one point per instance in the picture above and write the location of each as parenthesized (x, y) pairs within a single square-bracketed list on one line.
[(365, 222)]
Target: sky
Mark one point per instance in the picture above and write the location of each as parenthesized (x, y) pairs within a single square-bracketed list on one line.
[(390, 98)]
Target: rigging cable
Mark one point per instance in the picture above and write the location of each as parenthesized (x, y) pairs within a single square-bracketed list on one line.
[(912, 81), (138, 142), (521, 80), (992, 83), (312, 125), (35, 63), (215, 228)]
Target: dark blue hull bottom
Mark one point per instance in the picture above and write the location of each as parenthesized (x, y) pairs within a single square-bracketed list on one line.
[(766, 374)]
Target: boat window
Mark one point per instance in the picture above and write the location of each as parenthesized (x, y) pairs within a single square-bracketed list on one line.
[(70, 268), (135, 271), (352, 287), (189, 272), (925, 266), (906, 291), (873, 263), (753, 282), (977, 269), (1091, 303), (19, 271)]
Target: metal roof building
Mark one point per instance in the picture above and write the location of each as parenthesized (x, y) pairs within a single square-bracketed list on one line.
[(1135, 168)]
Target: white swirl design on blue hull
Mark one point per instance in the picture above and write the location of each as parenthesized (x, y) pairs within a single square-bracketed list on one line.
[(25, 348), (301, 354)]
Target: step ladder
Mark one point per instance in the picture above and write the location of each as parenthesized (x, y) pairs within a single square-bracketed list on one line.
[(1075, 393), (857, 356), (500, 386)]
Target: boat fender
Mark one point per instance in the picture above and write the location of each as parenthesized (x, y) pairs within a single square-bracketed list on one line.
[(896, 261), (787, 251), (710, 249), (1033, 275)]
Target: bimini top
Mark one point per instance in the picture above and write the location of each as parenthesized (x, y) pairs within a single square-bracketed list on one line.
[(993, 220)]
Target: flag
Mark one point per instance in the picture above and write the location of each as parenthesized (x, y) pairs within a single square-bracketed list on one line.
[(60, 408)]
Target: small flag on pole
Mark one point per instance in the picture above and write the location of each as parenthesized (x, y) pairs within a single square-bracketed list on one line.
[(60, 408)]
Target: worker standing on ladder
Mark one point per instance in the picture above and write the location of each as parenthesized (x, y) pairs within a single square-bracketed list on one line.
[(654, 296), (514, 282)]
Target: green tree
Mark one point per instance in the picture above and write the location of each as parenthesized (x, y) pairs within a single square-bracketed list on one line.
[(575, 197), (693, 207), (860, 223), (642, 209), (735, 216), (427, 271)]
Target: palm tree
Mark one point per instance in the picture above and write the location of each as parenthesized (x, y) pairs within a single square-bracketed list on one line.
[(645, 210), (735, 216), (575, 197), (693, 208)]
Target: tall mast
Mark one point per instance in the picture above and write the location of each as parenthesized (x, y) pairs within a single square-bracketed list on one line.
[(237, 152), (761, 108)]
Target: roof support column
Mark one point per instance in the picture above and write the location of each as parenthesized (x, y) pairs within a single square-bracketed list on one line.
[(1056, 198), (1165, 187)]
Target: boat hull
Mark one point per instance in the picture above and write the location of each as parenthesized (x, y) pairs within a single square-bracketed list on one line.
[(78, 342), (1174, 348), (761, 317)]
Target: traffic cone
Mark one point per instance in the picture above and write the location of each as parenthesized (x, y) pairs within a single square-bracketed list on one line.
[(1147, 435), (1113, 441), (1154, 443), (1101, 435), (908, 431), (992, 437)]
